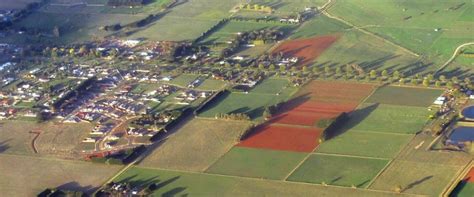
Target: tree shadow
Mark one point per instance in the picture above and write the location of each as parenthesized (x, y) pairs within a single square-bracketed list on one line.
[(4, 145), (362, 184), (411, 185), (75, 186), (167, 182), (174, 192)]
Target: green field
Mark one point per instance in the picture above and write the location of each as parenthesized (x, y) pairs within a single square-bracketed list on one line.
[(271, 86), (196, 145), (412, 23), (184, 80), (252, 104), (416, 178), (320, 25), (389, 118), (198, 184), (211, 84), (258, 163), (393, 95), (231, 28), (338, 170), (369, 144), (284, 7)]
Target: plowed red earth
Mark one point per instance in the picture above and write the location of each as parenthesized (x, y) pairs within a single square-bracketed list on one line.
[(286, 138), (306, 49), (470, 176)]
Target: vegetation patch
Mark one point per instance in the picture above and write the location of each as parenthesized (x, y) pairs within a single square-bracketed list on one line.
[(420, 97), (338, 170), (258, 163)]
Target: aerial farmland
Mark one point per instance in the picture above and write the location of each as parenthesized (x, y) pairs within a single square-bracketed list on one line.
[(236, 98)]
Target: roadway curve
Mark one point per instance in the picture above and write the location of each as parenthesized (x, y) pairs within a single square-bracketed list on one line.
[(456, 52), (328, 4)]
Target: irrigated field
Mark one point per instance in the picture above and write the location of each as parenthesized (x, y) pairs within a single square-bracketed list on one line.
[(432, 28), (257, 163), (197, 145), (420, 97), (338, 170), (28, 176), (197, 184), (369, 144)]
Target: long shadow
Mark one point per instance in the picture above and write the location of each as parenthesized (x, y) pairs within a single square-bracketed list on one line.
[(75, 186), (354, 118), (4, 146), (411, 185), (167, 182), (174, 192)]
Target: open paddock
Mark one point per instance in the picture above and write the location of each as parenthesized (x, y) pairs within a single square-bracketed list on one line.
[(28, 176), (418, 97), (257, 163), (196, 145), (338, 170)]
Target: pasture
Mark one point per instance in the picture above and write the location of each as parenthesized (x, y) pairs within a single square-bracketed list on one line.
[(196, 145), (233, 27), (184, 80), (271, 86), (368, 144), (338, 170), (418, 97), (257, 163), (416, 178), (62, 140), (28, 176), (406, 23), (388, 118), (212, 85), (172, 183)]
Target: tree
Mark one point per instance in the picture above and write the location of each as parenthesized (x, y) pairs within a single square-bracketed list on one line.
[(338, 71), (315, 69), (414, 81), (293, 69), (402, 81), (442, 78), (450, 84), (385, 73), (455, 79), (272, 67), (373, 74), (426, 82), (430, 77), (438, 83), (238, 66), (305, 69), (261, 66), (327, 70), (282, 68), (467, 81), (396, 75)]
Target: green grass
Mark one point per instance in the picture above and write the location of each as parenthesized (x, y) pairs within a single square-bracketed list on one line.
[(389, 118), (416, 177), (144, 88), (382, 145), (420, 97), (198, 184), (320, 25), (231, 28), (251, 104), (270, 86), (211, 84), (338, 170), (184, 80), (416, 33), (258, 163)]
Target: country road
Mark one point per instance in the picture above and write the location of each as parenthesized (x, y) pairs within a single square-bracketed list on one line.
[(456, 52)]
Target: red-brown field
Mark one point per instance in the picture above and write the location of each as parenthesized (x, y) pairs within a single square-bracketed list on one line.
[(337, 92), (286, 138), (301, 118), (306, 49), (470, 176)]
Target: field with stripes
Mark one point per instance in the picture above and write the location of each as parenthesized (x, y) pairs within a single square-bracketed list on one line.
[(365, 155)]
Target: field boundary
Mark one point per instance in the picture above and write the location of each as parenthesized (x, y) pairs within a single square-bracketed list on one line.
[(454, 182)]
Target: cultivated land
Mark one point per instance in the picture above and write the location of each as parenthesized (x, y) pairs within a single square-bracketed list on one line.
[(369, 144), (393, 95), (197, 145), (28, 176), (338, 170), (184, 80), (405, 23), (389, 118), (257, 163), (211, 84), (417, 178), (197, 184), (252, 103)]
